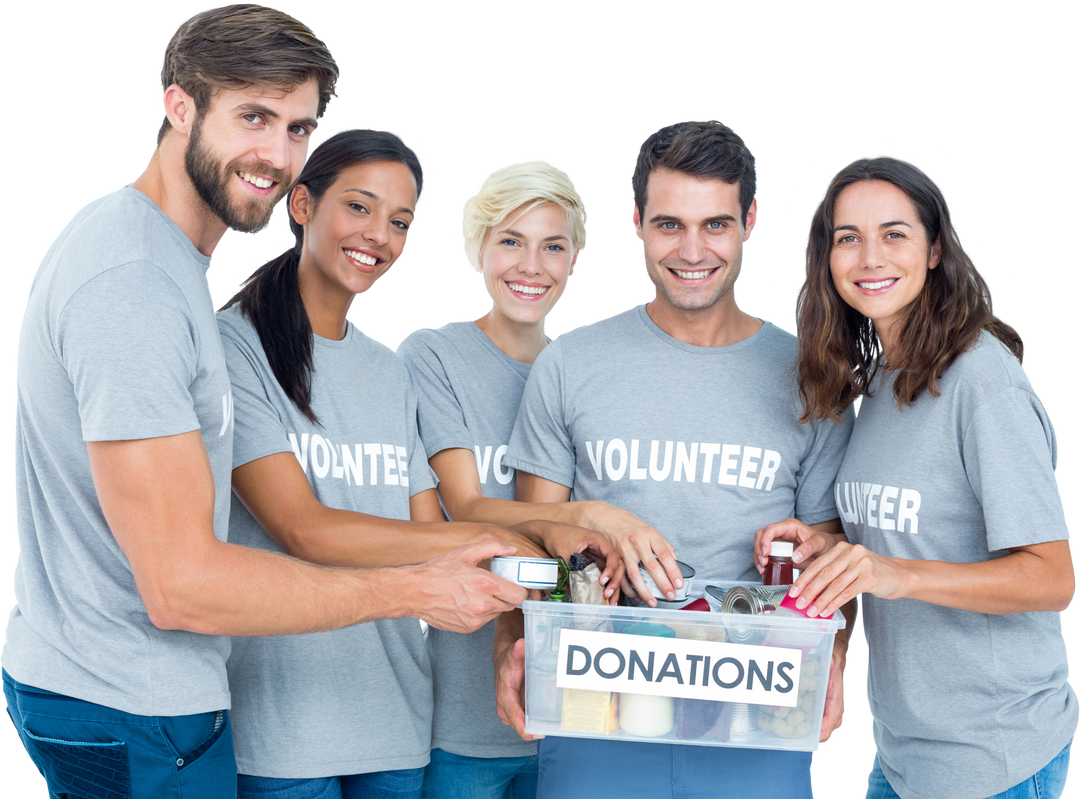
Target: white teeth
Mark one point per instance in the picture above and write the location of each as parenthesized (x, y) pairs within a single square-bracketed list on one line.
[(359, 256), (527, 289), (255, 180), (879, 285), (693, 275)]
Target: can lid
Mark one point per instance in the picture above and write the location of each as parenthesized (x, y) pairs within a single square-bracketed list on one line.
[(781, 549)]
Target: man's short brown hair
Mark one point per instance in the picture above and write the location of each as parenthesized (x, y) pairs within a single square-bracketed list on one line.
[(244, 45)]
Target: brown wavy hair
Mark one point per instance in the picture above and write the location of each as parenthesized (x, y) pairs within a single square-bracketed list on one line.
[(839, 351)]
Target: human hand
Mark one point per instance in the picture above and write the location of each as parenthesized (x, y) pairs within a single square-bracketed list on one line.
[(809, 542), (833, 716), (510, 688), (841, 574), (564, 540), (636, 542), (450, 593)]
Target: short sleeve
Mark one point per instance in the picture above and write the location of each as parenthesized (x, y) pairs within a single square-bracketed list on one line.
[(439, 414), (1009, 452), (814, 496), (258, 429), (129, 344), (420, 475), (541, 444)]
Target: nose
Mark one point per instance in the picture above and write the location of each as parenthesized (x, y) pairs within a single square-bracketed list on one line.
[(530, 263), (693, 247), (872, 254), (274, 149), (378, 232)]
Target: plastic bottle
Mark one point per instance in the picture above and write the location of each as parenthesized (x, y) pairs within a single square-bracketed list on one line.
[(780, 570)]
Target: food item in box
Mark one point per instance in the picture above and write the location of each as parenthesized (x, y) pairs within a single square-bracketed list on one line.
[(698, 718), (590, 711), (795, 722), (645, 715), (585, 588)]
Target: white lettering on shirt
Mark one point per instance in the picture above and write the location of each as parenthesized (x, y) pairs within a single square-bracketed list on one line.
[(739, 466), (884, 507)]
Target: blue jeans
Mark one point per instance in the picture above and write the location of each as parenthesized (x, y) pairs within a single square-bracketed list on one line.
[(88, 750), (579, 767), (395, 784), (1049, 783), (450, 776)]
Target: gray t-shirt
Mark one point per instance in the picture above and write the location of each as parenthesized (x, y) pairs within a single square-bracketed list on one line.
[(355, 700), (468, 395), (965, 704), (118, 342), (700, 442)]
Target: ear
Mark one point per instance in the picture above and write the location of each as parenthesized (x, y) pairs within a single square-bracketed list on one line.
[(751, 219), (300, 204), (180, 109), (637, 224), (572, 262), (935, 253)]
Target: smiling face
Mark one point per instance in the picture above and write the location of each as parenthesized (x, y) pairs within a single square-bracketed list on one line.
[(693, 234), (880, 254), (244, 152), (526, 262), (356, 230)]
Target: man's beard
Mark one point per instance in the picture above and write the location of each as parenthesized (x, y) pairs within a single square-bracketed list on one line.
[(211, 181)]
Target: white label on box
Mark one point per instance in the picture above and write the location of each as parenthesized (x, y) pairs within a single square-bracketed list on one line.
[(682, 667)]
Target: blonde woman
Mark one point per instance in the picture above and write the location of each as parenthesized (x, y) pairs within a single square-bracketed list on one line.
[(523, 233)]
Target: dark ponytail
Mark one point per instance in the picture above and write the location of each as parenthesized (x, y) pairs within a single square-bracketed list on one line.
[(270, 298)]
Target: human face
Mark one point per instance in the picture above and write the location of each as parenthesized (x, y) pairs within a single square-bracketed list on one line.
[(880, 253), (243, 153), (527, 260), (693, 233), (357, 229)]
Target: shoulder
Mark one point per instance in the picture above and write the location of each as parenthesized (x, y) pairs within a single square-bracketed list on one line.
[(985, 369), (233, 325), (604, 330), (371, 355), (431, 339)]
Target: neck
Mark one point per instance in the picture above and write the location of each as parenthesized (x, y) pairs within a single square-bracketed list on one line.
[(326, 305), (165, 181), (719, 325), (522, 342)]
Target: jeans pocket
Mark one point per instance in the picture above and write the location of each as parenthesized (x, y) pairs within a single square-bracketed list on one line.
[(82, 768), (209, 770)]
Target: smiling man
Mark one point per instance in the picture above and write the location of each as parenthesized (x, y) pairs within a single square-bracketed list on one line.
[(114, 664), (683, 412)]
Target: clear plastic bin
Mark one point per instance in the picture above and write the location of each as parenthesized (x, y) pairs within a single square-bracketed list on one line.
[(677, 676)]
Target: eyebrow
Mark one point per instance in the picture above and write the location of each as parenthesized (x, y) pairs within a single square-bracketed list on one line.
[(516, 235), (402, 210), (882, 226), (259, 108), (667, 218)]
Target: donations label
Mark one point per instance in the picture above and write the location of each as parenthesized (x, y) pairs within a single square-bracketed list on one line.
[(680, 667)]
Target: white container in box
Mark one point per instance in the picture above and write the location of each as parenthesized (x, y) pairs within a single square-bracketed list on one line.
[(677, 676)]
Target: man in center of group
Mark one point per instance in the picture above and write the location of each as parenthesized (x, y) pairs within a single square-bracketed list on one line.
[(682, 411)]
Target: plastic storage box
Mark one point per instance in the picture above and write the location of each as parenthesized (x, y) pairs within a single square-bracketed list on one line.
[(677, 676)]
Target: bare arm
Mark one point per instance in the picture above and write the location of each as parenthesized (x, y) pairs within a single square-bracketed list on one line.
[(1038, 577), (636, 543), (279, 496), (157, 495)]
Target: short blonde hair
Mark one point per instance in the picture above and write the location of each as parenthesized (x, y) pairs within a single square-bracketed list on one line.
[(532, 183)]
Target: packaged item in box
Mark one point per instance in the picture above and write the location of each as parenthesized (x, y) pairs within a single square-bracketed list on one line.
[(678, 676)]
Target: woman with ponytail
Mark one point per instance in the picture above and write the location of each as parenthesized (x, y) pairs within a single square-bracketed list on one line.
[(329, 468), (953, 528)]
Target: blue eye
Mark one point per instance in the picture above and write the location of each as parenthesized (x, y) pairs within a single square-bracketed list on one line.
[(556, 247)]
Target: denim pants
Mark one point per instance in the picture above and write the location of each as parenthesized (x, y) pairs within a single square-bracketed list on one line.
[(88, 751), (1048, 783), (450, 776), (393, 784)]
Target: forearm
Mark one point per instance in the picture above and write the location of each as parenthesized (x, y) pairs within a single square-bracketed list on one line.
[(333, 537), (1021, 582), (508, 513), (227, 589), (509, 627)]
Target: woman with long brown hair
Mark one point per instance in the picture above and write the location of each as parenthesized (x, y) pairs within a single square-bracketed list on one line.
[(954, 530)]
